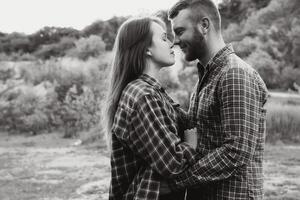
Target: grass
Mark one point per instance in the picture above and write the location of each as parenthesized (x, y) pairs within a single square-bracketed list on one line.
[(283, 120)]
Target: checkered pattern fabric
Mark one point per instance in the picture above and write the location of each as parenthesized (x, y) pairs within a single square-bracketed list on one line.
[(227, 108), (146, 147)]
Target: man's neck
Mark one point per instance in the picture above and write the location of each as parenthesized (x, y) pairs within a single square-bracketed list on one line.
[(212, 49)]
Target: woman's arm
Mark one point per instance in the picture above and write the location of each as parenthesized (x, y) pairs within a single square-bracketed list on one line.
[(155, 138)]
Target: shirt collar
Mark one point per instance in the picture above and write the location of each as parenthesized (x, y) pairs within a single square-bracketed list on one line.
[(152, 81), (216, 60)]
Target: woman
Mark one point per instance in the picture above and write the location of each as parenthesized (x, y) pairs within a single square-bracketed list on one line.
[(142, 120)]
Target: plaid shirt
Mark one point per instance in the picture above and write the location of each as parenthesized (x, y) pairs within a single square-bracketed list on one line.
[(227, 108), (145, 143)]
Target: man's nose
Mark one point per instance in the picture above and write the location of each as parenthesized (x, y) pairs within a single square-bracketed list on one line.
[(176, 40)]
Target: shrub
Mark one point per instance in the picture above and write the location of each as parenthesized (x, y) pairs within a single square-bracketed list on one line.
[(92, 46), (80, 112), (24, 114), (290, 76), (246, 46), (266, 67)]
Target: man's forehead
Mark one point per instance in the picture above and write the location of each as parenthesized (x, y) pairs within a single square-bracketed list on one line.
[(181, 18)]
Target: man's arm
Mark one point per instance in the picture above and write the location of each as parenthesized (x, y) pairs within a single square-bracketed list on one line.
[(239, 111)]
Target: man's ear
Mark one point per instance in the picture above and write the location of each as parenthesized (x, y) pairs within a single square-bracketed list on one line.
[(204, 25)]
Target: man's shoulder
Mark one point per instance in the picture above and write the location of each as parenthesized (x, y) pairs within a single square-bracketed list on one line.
[(235, 64), (237, 68), (234, 61)]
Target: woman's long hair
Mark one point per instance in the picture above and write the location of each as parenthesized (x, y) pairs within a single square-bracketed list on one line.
[(133, 39)]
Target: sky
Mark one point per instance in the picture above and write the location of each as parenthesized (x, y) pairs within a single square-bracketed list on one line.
[(28, 16)]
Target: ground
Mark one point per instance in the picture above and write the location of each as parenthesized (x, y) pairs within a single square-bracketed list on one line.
[(47, 167)]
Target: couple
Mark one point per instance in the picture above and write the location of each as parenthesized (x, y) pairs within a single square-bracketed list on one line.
[(150, 159)]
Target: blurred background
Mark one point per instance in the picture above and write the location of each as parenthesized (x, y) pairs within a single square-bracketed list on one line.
[(53, 78)]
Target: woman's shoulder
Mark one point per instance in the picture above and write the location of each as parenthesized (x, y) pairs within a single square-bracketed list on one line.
[(135, 91), (139, 88)]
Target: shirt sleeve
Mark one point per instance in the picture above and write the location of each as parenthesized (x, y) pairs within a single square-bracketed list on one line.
[(239, 110), (185, 119), (155, 138)]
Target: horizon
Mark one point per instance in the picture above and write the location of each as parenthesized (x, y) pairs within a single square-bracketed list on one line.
[(30, 16)]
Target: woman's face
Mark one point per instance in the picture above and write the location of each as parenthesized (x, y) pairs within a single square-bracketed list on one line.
[(160, 50)]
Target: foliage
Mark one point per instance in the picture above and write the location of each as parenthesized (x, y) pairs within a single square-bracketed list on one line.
[(55, 94), (24, 114), (290, 77), (266, 67), (80, 112), (55, 49), (107, 30), (92, 46), (14, 42), (51, 35), (236, 11)]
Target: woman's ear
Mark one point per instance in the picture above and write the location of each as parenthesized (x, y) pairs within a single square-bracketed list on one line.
[(148, 52)]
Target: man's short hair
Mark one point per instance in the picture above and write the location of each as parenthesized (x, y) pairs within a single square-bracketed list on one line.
[(207, 7)]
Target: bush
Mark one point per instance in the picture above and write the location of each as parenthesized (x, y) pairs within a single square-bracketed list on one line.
[(80, 112), (290, 76), (246, 46), (92, 46), (59, 49), (24, 114), (266, 67), (57, 94)]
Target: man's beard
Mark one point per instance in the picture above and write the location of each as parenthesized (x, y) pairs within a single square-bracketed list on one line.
[(196, 48)]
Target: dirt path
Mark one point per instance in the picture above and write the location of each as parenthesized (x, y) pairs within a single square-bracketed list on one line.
[(47, 167)]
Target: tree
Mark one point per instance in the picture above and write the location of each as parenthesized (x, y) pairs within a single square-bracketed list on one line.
[(56, 49), (14, 42), (50, 35), (107, 30), (236, 11)]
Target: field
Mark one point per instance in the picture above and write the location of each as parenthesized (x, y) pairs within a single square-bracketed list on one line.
[(47, 167), (50, 167)]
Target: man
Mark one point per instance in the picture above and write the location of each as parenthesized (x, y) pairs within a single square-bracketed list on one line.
[(227, 108)]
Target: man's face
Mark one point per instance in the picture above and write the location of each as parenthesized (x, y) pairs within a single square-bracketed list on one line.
[(187, 36)]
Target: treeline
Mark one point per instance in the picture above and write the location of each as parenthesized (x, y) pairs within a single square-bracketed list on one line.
[(266, 33), (58, 42)]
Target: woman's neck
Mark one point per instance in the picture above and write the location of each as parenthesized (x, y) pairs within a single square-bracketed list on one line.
[(152, 70)]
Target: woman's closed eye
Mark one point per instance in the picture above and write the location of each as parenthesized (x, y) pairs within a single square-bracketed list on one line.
[(164, 37)]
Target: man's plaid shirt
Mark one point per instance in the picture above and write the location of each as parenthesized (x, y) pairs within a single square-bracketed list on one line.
[(145, 144), (227, 108)]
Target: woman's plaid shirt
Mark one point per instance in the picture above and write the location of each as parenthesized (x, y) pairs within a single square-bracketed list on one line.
[(145, 144), (227, 108)]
